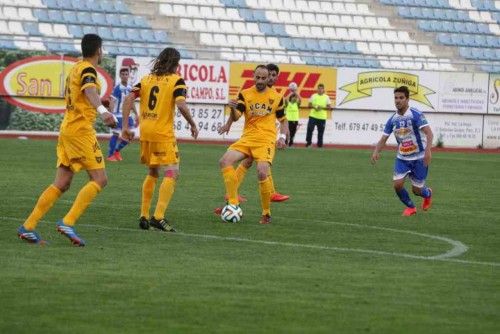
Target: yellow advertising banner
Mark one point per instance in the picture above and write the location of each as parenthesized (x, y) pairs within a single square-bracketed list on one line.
[(306, 77), (367, 81), (38, 83)]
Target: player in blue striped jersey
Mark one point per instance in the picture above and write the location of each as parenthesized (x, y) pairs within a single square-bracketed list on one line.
[(115, 106), (414, 137)]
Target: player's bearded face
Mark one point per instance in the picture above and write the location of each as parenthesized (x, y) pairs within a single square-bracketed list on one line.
[(400, 101), (261, 77)]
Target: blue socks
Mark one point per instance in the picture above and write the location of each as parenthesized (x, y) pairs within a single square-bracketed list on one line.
[(112, 144), (425, 192), (405, 198), (122, 144)]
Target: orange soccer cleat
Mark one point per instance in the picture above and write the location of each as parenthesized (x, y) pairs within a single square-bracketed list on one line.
[(409, 212), (265, 219), (277, 197), (426, 204), (218, 211), (118, 156)]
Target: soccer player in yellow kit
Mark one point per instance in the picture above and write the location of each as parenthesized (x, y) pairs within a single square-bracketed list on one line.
[(159, 93), (77, 146), (261, 107)]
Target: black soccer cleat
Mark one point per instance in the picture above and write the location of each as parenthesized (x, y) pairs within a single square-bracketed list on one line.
[(144, 223), (161, 225)]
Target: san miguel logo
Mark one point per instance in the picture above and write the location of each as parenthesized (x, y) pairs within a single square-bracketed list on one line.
[(38, 83), (367, 81), (306, 77)]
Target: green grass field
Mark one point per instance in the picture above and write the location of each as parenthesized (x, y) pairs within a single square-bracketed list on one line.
[(338, 257)]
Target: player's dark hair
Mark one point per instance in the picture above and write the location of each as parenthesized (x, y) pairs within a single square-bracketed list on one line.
[(273, 67), (124, 70), (321, 85), (261, 66), (403, 89), (90, 44), (166, 62)]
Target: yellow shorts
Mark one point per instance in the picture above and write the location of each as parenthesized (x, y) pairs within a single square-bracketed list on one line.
[(82, 152), (159, 153), (258, 151)]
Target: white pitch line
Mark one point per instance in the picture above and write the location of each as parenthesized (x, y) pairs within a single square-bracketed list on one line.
[(439, 257)]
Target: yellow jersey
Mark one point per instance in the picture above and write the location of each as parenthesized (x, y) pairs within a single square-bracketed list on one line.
[(80, 114), (261, 110), (158, 95)]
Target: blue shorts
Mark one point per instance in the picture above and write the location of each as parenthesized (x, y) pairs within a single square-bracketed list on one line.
[(415, 170), (131, 124)]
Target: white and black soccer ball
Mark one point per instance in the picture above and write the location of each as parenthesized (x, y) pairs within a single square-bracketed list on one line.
[(231, 213), (292, 86)]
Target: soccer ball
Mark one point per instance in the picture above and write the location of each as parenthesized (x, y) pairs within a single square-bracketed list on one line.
[(231, 213), (292, 86)]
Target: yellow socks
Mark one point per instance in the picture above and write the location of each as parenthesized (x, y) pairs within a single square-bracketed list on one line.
[(231, 183), (165, 195), (241, 172), (265, 188), (82, 201), (148, 188), (273, 190), (50, 195)]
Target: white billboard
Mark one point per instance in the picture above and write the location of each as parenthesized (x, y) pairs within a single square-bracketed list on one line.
[(463, 92), (207, 81)]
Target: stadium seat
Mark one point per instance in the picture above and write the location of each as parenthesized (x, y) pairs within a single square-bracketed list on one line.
[(31, 28), (147, 35)]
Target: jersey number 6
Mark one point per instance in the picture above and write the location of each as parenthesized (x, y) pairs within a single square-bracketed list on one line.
[(152, 97)]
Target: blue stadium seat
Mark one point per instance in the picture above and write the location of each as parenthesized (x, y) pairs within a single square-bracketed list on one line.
[(41, 14), (279, 30), (440, 14), (84, 18), (69, 16), (493, 41), (140, 22), (51, 3), (53, 46), (465, 52), (118, 34), (68, 48), (324, 45), (161, 36), (75, 30), (346, 62), (372, 63), (471, 27), (350, 47), (286, 42), (112, 50), (483, 28), (127, 20), (89, 30), (147, 35), (98, 18), (444, 38), (62, 4), (31, 28), (457, 39), (55, 16), (105, 33), (477, 53), (140, 51), (468, 40), (312, 44), (437, 25), (480, 41), (120, 7), (125, 50), (107, 6), (459, 26), (79, 5), (425, 25), (259, 15), (427, 13), (300, 44), (112, 20), (266, 28), (133, 35), (449, 26)]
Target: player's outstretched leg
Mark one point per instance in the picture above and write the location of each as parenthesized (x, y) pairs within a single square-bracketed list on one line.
[(404, 197)]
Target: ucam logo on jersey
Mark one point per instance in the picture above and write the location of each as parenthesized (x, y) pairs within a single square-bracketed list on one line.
[(207, 81), (306, 77), (38, 83)]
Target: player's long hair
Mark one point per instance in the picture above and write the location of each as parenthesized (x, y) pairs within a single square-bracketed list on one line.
[(166, 62)]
